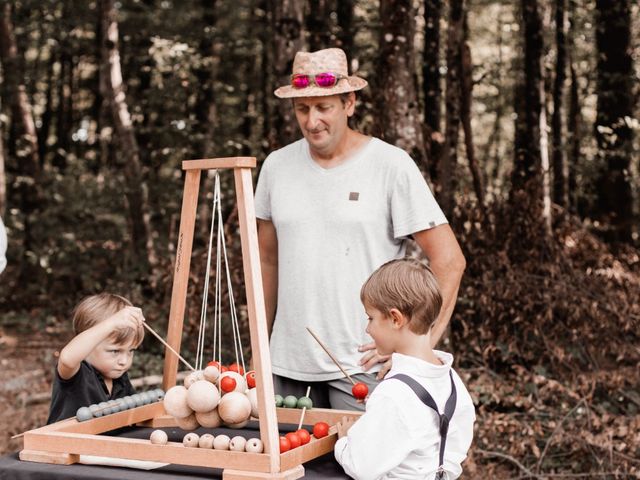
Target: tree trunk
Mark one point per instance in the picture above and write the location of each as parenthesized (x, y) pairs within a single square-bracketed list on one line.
[(574, 119), (615, 107), (288, 38), (344, 10), (16, 95), (449, 158), (26, 151), (45, 129), (3, 175), (318, 25), (400, 120), (529, 195), (465, 110), (114, 94), (560, 190), (431, 84)]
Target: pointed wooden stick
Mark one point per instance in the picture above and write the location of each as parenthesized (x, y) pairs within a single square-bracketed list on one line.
[(304, 409), (168, 346), (331, 356)]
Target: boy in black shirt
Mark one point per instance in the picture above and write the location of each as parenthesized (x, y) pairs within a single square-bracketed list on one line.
[(92, 367)]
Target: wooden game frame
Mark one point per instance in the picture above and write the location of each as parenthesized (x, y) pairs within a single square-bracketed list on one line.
[(63, 442)]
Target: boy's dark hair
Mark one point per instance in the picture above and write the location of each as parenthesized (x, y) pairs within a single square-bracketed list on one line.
[(97, 308), (409, 286)]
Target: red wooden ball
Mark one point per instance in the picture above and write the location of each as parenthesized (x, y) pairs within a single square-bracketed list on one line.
[(227, 384), (321, 429), (285, 444), (360, 391), (294, 439)]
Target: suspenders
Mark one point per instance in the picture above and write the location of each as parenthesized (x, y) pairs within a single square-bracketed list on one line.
[(443, 419)]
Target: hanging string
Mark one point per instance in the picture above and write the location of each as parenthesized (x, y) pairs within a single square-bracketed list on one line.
[(205, 294)]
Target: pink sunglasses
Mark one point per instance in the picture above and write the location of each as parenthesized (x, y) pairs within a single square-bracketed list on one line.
[(323, 80)]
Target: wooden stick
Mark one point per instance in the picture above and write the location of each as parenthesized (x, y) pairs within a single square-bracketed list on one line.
[(331, 356), (304, 409), (168, 346)]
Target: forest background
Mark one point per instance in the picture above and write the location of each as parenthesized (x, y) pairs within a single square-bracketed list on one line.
[(522, 115)]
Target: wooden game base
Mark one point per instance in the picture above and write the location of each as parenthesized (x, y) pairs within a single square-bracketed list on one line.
[(291, 474), (48, 457)]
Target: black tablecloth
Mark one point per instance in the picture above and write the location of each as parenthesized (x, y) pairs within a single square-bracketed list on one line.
[(11, 468)]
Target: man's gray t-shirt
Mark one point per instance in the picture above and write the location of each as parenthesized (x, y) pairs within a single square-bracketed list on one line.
[(335, 227)]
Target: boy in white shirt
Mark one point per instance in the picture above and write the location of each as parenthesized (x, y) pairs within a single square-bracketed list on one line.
[(400, 435)]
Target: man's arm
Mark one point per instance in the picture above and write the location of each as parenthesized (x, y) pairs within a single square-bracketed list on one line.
[(447, 261), (268, 244)]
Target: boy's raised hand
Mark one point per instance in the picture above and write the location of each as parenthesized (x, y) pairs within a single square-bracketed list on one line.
[(128, 317)]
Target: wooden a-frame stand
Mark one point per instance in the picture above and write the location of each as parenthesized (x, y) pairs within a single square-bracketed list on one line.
[(65, 441)]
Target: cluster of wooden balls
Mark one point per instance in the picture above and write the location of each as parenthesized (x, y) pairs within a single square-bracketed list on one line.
[(213, 397), (119, 404), (291, 401), (209, 441), (302, 436)]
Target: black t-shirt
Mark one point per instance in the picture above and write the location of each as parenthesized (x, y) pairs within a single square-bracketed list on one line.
[(82, 390)]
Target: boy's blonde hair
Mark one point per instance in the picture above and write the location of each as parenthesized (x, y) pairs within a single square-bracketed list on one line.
[(97, 308), (409, 286)]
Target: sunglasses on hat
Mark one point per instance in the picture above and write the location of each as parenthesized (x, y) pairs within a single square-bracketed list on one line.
[(323, 80)]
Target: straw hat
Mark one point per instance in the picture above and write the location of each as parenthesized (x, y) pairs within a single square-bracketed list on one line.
[(332, 60)]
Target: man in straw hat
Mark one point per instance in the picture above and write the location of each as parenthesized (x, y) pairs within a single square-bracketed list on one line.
[(332, 207)]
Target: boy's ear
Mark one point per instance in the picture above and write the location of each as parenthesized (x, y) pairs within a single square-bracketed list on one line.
[(397, 318)]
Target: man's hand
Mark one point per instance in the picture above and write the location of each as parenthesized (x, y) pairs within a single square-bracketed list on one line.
[(372, 358), (344, 425)]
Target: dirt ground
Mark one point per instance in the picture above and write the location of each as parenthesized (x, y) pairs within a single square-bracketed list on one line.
[(26, 360)]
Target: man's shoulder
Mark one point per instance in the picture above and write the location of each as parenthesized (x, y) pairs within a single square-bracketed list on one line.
[(292, 149), (389, 154)]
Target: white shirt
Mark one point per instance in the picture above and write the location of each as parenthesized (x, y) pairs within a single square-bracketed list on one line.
[(398, 436), (335, 226)]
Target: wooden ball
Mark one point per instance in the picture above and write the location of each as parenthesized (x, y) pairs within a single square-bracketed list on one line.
[(237, 443), (241, 383), (191, 440), (104, 408), (221, 442), (159, 437), (129, 402), (193, 377), (237, 425), (188, 423), (254, 445), (209, 419), (95, 410), (252, 395), (206, 441), (175, 402), (203, 396), (115, 406), (83, 414), (159, 393), (211, 374), (234, 407)]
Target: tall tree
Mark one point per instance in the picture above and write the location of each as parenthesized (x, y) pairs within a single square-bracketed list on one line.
[(15, 94), (449, 156), (344, 11), (318, 24), (615, 108), (560, 187), (466, 96), (574, 116), (113, 91), (23, 124), (288, 38), (431, 78), (527, 179), (401, 121)]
